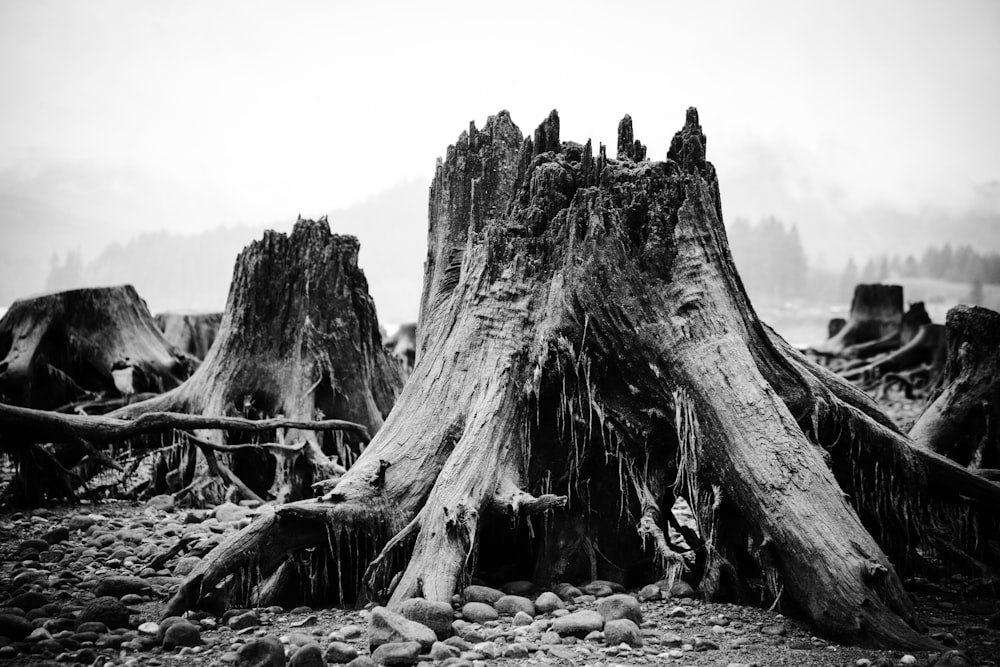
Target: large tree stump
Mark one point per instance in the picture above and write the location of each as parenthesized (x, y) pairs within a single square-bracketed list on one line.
[(962, 420), (300, 339), (82, 347), (62, 347), (584, 343), (873, 324), (192, 333)]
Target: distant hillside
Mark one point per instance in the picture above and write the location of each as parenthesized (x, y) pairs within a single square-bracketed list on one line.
[(192, 272)]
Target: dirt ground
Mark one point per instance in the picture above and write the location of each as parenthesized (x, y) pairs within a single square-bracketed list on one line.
[(107, 540)]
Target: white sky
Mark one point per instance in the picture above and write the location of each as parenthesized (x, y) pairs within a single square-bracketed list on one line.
[(257, 111)]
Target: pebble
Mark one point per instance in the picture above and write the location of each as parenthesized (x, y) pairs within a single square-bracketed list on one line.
[(264, 652), (479, 612), (386, 626), (442, 651), (578, 623), (548, 602), (509, 605), (622, 631), (482, 594), (437, 616), (15, 627), (182, 633), (107, 610), (340, 652), (310, 655), (396, 653), (620, 605), (247, 619)]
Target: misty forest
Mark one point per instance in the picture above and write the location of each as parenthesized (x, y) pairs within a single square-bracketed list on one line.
[(621, 430)]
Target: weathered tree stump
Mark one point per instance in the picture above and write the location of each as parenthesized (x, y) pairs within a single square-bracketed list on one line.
[(62, 347), (300, 339), (585, 347), (873, 324), (191, 333), (962, 420)]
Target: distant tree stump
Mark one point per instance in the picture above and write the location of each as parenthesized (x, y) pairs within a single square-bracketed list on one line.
[(962, 420), (875, 319), (60, 348), (191, 333), (299, 338)]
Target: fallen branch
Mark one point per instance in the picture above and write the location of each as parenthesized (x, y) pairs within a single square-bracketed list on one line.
[(28, 425)]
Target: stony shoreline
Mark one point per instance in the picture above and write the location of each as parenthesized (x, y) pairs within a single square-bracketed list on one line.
[(85, 585)]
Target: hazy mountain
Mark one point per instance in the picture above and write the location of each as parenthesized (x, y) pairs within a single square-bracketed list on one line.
[(192, 271)]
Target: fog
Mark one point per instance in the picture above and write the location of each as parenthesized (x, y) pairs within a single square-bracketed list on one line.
[(870, 127)]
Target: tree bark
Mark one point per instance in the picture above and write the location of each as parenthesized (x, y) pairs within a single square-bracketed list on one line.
[(585, 342), (961, 420), (299, 339)]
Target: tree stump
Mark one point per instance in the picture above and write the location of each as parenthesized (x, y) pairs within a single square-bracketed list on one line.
[(191, 333), (962, 420), (873, 324), (62, 347), (299, 338), (586, 349)]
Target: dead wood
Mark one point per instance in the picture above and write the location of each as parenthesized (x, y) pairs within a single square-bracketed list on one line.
[(584, 340)]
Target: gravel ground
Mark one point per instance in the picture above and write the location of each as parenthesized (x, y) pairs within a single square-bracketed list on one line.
[(57, 561)]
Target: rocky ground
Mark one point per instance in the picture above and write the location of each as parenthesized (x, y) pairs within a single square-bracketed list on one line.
[(82, 584)]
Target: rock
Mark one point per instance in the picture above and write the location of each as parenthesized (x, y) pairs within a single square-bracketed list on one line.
[(550, 637), (340, 652), (442, 651), (385, 626), (310, 655), (56, 535), (522, 588), (620, 605), (83, 521), (361, 661), (32, 545), (437, 616), (117, 586), (396, 653), (578, 623), (227, 512), (96, 627), (650, 593), (516, 650), (567, 592), (622, 630), (163, 502), (150, 628), (263, 652), (28, 601), (107, 610), (953, 659), (509, 605), (182, 633), (682, 589), (774, 630), (705, 645), (15, 627), (247, 619), (165, 625), (479, 612), (671, 639), (908, 660), (801, 645), (27, 577), (548, 602), (185, 565), (597, 588), (482, 594), (521, 619)]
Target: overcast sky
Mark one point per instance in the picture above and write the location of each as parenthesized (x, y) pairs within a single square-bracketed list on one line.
[(219, 112)]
